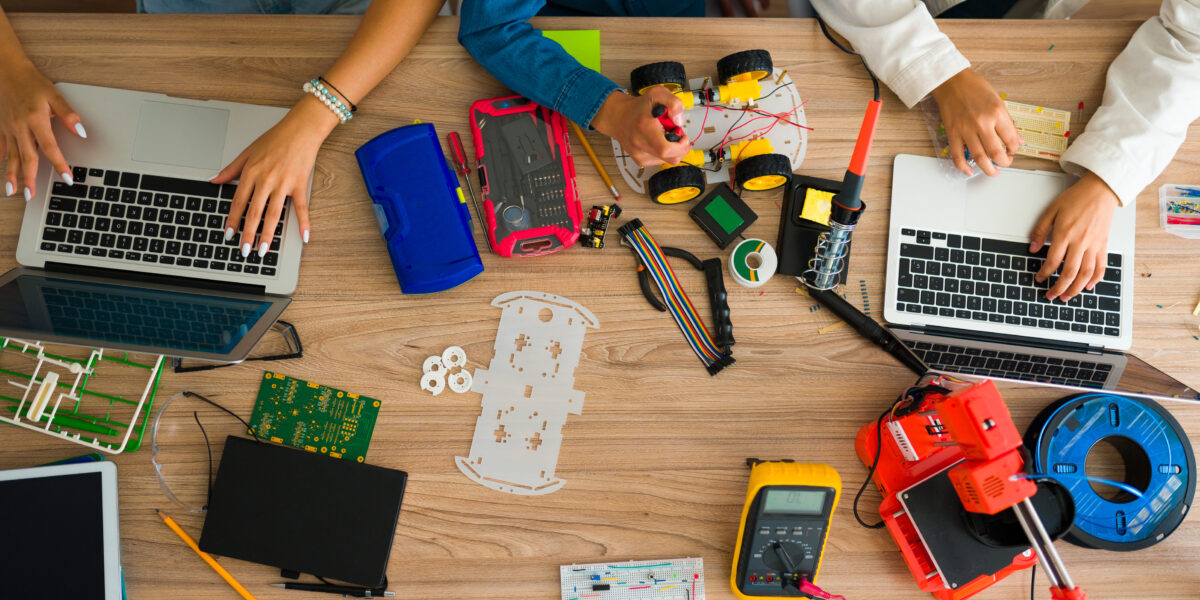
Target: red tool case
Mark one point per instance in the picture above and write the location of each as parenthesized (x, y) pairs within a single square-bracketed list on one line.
[(526, 176)]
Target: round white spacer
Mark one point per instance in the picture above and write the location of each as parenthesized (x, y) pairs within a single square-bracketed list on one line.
[(433, 382), (454, 357)]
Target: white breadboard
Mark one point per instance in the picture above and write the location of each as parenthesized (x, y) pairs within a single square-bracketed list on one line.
[(1045, 130), (667, 579)]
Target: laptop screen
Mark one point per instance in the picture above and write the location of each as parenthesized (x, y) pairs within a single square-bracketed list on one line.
[(157, 319)]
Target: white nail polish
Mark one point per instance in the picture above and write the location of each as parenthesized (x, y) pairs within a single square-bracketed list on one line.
[(246, 249), (305, 236), (28, 195), (10, 190), (80, 130), (67, 178), (262, 249), (228, 234)]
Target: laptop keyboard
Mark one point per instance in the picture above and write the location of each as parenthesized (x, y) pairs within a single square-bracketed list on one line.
[(1009, 365), (987, 280), (132, 217)]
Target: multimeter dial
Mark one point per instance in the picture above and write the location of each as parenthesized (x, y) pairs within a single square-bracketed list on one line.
[(801, 554)]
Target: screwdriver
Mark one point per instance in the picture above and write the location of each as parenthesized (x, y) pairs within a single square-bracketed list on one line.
[(460, 161)]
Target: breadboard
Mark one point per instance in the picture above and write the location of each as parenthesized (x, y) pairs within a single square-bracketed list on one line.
[(1045, 130), (669, 579), (313, 417)]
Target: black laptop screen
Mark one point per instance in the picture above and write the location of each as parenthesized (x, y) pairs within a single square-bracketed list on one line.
[(42, 307)]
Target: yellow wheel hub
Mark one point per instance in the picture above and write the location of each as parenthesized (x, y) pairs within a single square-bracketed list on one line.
[(750, 76), (677, 195), (766, 182), (671, 87)]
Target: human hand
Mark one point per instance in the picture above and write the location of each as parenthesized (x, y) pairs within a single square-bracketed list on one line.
[(274, 167), (975, 117), (27, 103), (628, 119), (747, 5), (1079, 219)]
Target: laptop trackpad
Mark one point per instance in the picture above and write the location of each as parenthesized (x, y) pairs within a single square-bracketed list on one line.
[(180, 135), (1010, 203)]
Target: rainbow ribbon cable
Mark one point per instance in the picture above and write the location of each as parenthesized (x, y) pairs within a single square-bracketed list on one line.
[(677, 300)]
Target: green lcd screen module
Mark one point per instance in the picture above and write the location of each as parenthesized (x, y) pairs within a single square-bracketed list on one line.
[(722, 215)]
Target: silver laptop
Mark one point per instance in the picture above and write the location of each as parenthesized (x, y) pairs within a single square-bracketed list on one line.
[(141, 200), (960, 289), (133, 255)]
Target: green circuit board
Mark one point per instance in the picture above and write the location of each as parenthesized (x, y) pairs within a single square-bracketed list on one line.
[(314, 417)]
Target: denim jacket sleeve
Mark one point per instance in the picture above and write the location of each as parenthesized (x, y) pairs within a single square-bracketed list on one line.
[(498, 34)]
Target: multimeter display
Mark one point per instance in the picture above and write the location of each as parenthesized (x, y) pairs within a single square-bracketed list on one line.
[(793, 502)]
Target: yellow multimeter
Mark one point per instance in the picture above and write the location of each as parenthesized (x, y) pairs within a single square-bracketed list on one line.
[(785, 523)]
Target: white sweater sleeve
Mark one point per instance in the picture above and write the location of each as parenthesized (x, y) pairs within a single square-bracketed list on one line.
[(1151, 95), (900, 41)]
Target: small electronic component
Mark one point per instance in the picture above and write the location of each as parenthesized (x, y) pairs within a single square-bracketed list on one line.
[(592, 236), (785, 524), (313, 417), (722, 215), (1045, 130), (667, 579)]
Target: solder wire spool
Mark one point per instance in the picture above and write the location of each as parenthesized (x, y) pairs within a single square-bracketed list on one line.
[(1158, 460), (748, 252)]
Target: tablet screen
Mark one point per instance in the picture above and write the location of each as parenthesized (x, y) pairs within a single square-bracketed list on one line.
[(52, 537)]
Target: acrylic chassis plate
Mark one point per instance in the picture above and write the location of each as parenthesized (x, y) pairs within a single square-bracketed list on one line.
[(527, 393)]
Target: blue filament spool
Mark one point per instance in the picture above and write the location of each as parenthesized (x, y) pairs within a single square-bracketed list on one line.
[(1158, 460)]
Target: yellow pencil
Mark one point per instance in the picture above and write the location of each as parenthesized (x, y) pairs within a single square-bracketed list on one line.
[(595, 161), (237, 587)]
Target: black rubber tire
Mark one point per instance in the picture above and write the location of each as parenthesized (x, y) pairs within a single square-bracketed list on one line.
[(746, 61), (669, 74), (675, 178), (763, 165)]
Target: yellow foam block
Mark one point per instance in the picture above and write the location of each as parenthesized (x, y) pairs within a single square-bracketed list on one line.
[(817, 204)]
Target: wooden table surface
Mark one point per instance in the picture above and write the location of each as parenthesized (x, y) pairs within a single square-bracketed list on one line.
[(654, 465)]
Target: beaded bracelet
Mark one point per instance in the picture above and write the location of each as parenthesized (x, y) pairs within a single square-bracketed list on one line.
[(353, 108), (318, 89)]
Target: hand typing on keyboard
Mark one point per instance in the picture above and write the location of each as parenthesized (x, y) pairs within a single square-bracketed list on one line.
[(1077, 225), (27, 103), (273, 168), (975, 117)]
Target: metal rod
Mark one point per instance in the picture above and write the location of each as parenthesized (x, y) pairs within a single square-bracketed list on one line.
[(1060, 569), (1035, 542)]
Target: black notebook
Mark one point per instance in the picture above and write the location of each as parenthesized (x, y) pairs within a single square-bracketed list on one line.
[(303, 512)]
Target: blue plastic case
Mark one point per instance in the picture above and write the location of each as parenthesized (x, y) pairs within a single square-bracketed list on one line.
[(420, 209)]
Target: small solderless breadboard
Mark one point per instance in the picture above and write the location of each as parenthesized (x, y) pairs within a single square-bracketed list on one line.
[(314, 417), (668, 579), (1046, 131)]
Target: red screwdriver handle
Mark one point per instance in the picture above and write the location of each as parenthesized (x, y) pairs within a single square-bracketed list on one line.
[(674, 133), (456, 147)]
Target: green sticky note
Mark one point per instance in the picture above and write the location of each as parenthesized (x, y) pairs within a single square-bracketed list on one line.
[(582, 44), (721, 212)]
